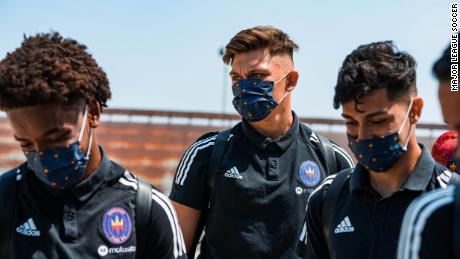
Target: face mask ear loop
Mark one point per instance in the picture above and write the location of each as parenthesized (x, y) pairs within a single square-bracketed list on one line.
[(284, 96), (90, 142), (402, 126), (85, 115), (281, 78)]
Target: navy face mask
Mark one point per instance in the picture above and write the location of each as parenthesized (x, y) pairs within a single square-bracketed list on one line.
[(379, 154), (61, 167), (253, 98)]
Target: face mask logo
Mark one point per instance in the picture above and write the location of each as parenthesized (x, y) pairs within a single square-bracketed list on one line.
[(379, 154), (253, 98), (453, 164), (61, 167)]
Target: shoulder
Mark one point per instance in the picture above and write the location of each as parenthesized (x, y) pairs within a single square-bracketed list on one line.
[(316, 140), (14, 173), (163, 218), (427, 209), (443, 176), (317, 196)]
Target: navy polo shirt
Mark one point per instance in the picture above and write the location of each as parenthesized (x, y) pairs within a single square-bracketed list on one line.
[(94, 219), (366, 225), (260, 191)]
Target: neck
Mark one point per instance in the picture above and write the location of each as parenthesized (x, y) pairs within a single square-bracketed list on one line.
[(277, 123), (95, 159), (390, 181)]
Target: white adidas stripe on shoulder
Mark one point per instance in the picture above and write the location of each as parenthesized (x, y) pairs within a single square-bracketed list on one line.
[(128, 179), (163, 201), (415, 219), (444, 178), (189, 155), (314, 137), (189, 151), (327, 181), (339, 150)]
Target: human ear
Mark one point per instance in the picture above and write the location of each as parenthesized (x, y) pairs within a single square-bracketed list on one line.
[(291, 80), (94, 113), (416, 110)]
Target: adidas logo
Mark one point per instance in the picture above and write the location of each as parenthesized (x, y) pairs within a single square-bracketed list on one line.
[(233, 173), (344, 226), (28, 229)]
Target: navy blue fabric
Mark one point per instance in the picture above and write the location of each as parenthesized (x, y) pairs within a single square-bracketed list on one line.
[(253, 98), (377, 154), (59, 167)]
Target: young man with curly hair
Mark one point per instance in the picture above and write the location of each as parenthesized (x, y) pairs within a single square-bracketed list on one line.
[(69, 200), (358, 212)]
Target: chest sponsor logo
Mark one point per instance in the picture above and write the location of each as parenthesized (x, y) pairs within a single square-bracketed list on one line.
[(28, 228), (117, 225), (233, 173), (309, 173), (299, 190), (104, 250), (344, 226)]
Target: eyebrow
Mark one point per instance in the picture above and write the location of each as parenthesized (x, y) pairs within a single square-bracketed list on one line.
[(252, 71), (367, 116), (47, 133)]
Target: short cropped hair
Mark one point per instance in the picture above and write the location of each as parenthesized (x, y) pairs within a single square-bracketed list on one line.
[(47, 68), (441, 69), (378, 65), (259, 37)]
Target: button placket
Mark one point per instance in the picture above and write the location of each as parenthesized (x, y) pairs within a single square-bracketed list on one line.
[(70, 221), (273, 168)]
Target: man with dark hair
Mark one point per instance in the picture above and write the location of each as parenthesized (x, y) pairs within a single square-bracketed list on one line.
[(69, 200), (358, 212), (431, 226), (248, 185)]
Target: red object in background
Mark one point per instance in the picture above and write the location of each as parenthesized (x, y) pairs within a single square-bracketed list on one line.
[(444, 148)]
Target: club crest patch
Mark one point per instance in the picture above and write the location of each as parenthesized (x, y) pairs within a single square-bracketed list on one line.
[(117, 225), (309, 173)]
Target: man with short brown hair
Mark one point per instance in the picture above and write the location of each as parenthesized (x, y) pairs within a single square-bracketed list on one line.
[(248, 185)]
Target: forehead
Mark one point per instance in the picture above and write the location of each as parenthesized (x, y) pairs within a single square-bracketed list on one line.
[(258, 59), (375, 101), (32, 120)]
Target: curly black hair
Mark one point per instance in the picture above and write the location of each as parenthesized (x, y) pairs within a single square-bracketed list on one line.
[(378, 65), (48, 68)]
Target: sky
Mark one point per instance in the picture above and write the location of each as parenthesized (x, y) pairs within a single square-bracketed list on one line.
[(164, 55)]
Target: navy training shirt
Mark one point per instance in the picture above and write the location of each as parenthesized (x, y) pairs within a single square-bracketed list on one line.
[(94, 219)]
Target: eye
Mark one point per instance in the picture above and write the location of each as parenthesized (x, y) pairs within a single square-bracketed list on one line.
[(351, 123), (59, 138), (378, 122), (25, 145), (256, 76), (235, 79)]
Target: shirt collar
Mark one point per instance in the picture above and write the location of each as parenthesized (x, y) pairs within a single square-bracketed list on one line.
[(417, 180), (262, 142), (85, 189)]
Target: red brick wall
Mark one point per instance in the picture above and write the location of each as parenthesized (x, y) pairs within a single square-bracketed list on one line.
[(151, 151)]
